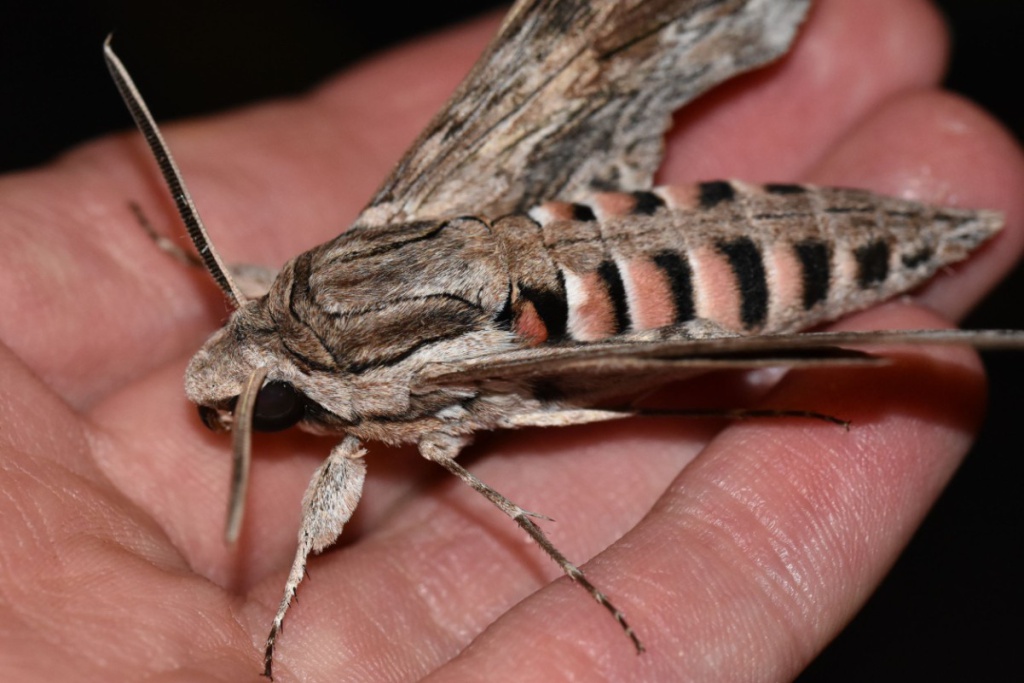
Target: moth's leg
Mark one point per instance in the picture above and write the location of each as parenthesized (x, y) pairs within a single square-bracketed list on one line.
[(443, 448), (741, 414), (329, 502), (163, 243), (563, 418), (570, 417), (254, 280), (703, 328)]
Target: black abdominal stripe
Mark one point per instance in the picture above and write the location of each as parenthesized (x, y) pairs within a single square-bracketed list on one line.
[(751, 258)]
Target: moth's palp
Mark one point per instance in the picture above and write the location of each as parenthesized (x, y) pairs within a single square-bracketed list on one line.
[(241, 453), (215, 419), (172, 176)]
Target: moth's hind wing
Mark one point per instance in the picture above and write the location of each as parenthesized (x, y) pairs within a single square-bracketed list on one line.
[(573, 96)]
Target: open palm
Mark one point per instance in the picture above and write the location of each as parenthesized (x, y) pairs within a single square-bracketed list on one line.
[(739, 565)]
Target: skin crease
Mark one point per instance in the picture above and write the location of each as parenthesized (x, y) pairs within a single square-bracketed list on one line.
[(741, 566)]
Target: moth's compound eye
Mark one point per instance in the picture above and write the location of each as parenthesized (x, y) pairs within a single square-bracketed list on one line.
[(279, 405)]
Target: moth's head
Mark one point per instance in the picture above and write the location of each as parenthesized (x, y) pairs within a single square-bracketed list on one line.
[(225, 369), (242, 382)]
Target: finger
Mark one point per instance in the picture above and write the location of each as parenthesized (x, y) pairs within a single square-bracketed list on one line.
[(772, 125), (82, 566), (768, 541), (938, 148), (79, 306)]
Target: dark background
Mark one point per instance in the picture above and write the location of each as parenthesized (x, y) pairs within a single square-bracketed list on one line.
[(951, 608)]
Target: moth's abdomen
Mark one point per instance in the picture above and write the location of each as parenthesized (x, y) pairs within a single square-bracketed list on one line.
[(751, 258)]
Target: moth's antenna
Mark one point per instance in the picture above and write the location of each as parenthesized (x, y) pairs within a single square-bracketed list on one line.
[(241, 452), (172, 176)]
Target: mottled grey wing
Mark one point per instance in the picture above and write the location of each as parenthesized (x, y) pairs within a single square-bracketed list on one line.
[(678, 357), (576, 95)]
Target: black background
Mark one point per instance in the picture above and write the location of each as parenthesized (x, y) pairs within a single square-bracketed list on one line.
[(950, 609)]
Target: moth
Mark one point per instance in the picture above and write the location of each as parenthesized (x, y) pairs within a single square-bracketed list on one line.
[(518, 268)]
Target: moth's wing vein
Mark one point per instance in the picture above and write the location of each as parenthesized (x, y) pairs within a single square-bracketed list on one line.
[(576, 97)]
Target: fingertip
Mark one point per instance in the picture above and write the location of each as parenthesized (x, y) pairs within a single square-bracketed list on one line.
[(939, 148), (773, 124)]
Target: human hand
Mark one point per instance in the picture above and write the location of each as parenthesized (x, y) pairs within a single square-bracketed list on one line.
[(752, 556)]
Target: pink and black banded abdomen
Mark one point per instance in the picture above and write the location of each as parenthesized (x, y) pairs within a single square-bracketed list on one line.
[(751, 258)]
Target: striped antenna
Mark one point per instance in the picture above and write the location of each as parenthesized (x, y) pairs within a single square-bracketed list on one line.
[(172, 176)]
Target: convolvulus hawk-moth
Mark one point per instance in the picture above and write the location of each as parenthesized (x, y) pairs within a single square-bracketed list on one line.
[(462, 300)]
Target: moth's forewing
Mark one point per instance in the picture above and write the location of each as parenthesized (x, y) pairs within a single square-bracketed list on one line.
[(807, 349), (575, 96)]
